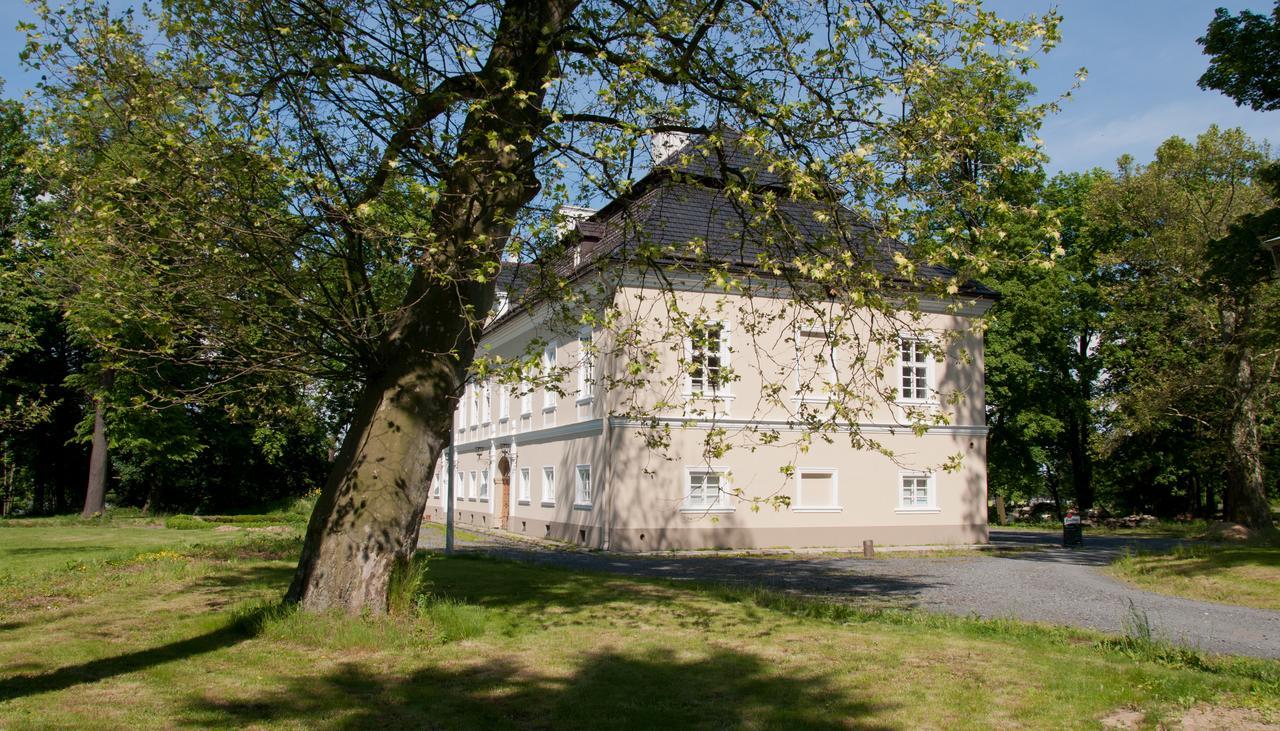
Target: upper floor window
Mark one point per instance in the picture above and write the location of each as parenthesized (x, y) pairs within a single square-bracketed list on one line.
[(815, 363), (586, 367), (473, 405), (486, 400), (708, 359), (504, 402), (526, 398), (916, 371), (549, 396)]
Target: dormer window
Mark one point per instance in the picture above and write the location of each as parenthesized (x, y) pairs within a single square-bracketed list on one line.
[(500, 304)]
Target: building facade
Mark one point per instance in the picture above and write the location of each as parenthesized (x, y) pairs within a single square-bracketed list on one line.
[(629, 468)]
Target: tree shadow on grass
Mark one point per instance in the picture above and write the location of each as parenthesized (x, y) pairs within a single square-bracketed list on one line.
[(653, 689), (235, 631)]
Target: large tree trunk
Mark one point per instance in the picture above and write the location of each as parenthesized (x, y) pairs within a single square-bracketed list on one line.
[(369, 513), (1246, 489), (95, 494), (1081, 427)]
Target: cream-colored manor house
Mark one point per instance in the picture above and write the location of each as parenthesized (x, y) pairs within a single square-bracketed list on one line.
[(571, 467)]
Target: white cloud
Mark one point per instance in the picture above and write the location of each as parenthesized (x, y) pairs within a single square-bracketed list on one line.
[(1081, 141)]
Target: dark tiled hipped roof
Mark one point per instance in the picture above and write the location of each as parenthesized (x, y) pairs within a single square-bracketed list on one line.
[(680, 214)]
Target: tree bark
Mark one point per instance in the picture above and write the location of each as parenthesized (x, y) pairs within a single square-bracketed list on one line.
[(367, 518), (1245, 485), (1081, 427), (95, 494)]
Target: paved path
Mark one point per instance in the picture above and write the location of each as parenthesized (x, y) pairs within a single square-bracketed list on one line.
[(1051, 584)]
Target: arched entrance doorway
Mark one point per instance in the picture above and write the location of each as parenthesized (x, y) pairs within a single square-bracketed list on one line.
[(502, 488)]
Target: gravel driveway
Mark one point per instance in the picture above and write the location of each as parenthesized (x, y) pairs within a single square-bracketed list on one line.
[(1051, 584)]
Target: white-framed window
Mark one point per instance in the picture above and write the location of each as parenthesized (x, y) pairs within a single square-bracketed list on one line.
[(815, 363), (486, 404), (915, 371), (484, 484), (549, 396), (500, 304), (916, 491), (524, 487), (462, 408), (816, 490), (472, 491), (582, 486), (707, 490), (435, 484), (708, 349), (473, 405), (504, 402), (548, 485), (526, 398), (459, 485), (586, 367)]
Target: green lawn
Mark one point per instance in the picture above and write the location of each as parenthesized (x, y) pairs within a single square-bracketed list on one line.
[(37, 548), (1248, 575), (192, 636)]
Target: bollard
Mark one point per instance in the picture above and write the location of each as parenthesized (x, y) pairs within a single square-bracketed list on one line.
[(868, 549)]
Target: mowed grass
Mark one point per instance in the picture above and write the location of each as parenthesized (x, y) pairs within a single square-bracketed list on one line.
[(37, 548), (195, 637), (1247, 575)]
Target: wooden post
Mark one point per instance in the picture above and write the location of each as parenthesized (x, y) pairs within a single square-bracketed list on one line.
[(868, 549)]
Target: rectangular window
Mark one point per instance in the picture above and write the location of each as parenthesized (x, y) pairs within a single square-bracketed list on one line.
[(917, 492), (707, 490), (473, 404), (435, 485), (524, 485), (815, 366), (916, 370), (459, 486), (472, 490), (586, 367), (549, 396), (816, 490), (548, 485), (526, 398), (484, 484), (708, 357), (582, 486), (504, 403), (486, 404)]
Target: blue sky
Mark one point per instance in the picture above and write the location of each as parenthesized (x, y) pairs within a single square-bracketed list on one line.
[(1143, 63)]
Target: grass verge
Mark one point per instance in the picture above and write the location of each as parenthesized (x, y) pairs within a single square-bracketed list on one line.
[(194, 636), (1246, 575)]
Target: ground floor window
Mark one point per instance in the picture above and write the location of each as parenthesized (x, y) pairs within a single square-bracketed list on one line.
[(916, 492), (706, 489), (582, 486), (816, 490), (484, 484), (549, 485), (524, 485)]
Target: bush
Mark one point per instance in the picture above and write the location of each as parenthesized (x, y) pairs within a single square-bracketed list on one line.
[(188, 522)]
